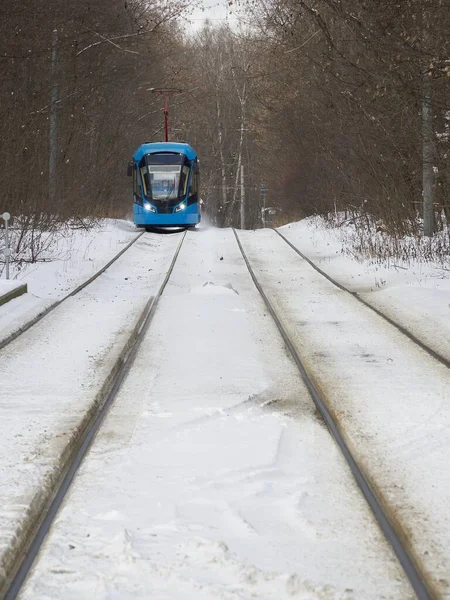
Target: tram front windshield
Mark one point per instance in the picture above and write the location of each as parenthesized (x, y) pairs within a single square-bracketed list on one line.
[(163, 174)]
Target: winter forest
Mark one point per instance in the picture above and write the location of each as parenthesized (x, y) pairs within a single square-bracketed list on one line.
[(225, 359), (332, 107)]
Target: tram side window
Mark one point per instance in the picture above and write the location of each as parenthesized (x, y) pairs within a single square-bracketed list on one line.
[(136, 187), (194, 184), (145, 180), (184, 180)]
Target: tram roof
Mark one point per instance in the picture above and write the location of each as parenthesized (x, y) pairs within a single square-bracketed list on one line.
[(165, 147)]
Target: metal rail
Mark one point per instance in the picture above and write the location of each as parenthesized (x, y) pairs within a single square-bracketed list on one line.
[(74, 292), (400, 328), (392, 530), (86, 440)]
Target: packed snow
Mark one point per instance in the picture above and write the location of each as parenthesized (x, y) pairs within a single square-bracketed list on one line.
[(213, 475)]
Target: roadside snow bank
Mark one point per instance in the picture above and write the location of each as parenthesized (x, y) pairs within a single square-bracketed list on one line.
[(415, 294), (69, 261)]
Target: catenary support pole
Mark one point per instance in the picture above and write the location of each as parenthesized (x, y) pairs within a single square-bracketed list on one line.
[(166, 118), (7, 250), (242, 198), (428, 153), (427, 157), (53, 121)]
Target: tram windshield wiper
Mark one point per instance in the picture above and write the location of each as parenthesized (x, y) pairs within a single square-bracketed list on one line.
[(169, 195)]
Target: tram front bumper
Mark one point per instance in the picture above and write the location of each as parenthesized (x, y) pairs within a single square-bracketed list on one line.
[(183, 217)]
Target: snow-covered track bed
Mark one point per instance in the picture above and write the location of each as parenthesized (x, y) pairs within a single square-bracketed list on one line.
[(58, 380), (402, 327), (212, 476), (12, 335), (384, 399)]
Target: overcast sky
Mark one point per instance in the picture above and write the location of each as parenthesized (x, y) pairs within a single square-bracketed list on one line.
[(216, 11)]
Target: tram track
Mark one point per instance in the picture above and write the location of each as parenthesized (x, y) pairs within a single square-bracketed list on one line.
[(15, 334), (391, 528), (30, 547), (357, 296)]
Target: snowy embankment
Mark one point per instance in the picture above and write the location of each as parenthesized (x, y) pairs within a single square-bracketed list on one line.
[(415, 294), (68, 261)]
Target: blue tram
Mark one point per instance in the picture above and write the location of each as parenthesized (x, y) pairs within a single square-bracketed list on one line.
[(165, 185)]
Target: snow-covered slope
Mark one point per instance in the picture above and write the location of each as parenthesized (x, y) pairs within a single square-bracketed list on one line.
[(69, 261), (414, 294)]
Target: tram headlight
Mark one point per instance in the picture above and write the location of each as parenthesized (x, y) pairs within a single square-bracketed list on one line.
[(182, 206), (149, 207)]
